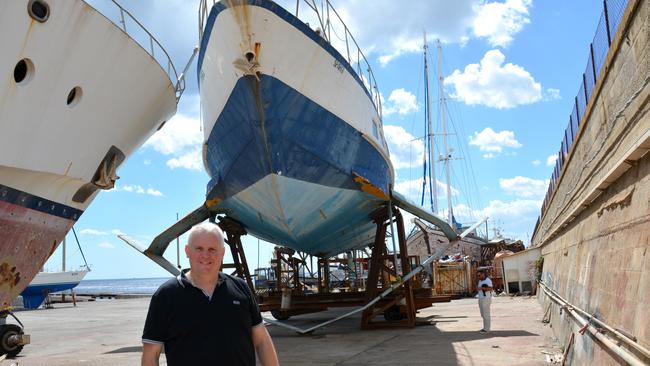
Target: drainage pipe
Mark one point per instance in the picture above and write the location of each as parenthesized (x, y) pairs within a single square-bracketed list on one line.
[(621, 352)]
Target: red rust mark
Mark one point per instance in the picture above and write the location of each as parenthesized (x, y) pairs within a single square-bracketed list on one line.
[(54, 245), (241, 13), (9, 275), (369, 188), (258, 50)]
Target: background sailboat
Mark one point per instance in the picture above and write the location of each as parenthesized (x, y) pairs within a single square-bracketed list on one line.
[(45, 283)]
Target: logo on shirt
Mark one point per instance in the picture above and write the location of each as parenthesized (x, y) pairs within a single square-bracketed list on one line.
[(236, 302)]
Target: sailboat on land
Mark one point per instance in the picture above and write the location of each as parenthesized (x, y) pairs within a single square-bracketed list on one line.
[(423, 235), (46, 283), (294, 142)]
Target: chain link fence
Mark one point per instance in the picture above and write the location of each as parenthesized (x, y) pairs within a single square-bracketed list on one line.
[(610, 19)]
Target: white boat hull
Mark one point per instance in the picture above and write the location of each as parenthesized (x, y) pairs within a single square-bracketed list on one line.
[(51, 150)]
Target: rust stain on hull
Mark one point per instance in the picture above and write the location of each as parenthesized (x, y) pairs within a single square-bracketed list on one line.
[(27, 239)]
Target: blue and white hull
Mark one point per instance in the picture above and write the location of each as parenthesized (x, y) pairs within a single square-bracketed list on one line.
[(45, 283), (294, 144)]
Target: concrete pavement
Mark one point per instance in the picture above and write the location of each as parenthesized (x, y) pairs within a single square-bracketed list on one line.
[(108, 333)]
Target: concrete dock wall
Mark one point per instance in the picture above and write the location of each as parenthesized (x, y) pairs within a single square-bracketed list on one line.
[(595, 232)]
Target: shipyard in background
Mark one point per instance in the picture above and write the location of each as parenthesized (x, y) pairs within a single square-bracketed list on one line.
[(296, 155)]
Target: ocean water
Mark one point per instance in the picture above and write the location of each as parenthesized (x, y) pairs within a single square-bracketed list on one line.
[(120, 286)]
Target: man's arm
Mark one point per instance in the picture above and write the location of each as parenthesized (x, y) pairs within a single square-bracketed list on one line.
[(263, 346), (485, 287), (151, 354)]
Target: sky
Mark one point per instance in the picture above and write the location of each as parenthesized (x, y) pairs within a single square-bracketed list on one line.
[(511, 70)]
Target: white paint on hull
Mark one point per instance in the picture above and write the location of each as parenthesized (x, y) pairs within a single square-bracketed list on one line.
[(289, 55), (53, 278), (48, 148)]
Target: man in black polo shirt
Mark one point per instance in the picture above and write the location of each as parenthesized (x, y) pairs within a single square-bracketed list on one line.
[(205, 317)]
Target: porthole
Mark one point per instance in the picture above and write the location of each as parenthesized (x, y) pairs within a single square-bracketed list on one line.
[(38, 10), (74, 96), (23, 71)]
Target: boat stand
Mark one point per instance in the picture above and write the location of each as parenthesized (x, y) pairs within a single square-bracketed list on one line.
[(290, 296), (234, 231), (399, 309)]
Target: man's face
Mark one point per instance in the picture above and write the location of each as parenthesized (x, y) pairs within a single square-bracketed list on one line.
[(481, 275), (205, 254)]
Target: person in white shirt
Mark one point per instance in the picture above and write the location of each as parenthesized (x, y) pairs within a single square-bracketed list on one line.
[(484, 298)]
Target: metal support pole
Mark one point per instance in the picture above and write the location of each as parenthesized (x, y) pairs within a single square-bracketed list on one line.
[(122, 20), (392, 236), (593, 62), (606, 13), (178, 249)]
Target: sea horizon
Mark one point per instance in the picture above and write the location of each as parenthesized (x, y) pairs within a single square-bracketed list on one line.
[(118, 286)]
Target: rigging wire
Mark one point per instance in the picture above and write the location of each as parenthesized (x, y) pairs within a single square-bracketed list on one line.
[(79, 245), (468, 181), (417, 97)]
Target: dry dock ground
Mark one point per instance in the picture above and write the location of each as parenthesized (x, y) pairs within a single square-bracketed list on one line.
[(107, 332)]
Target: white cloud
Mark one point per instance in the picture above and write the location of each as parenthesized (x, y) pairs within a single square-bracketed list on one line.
[(550, 161), (401, 101), (493, 143), (182, 139), (524, 187), (380, 32), (516, 218), (135, 188), (493, 84), (147, 162), (537, 162), (412, 189), (401, 46), (191, 160), (405, 149), (552, 94), (154, 192), (117, 232), (92, 232), (499, 22), (106, 245)]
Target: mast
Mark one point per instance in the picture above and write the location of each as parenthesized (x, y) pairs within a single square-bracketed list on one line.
[(430, 154), (63, 256), (443, 116)]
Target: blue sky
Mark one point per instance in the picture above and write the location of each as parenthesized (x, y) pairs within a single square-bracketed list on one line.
[(511, 69)]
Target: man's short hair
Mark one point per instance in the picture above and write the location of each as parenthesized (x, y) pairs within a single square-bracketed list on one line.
[(208, 228)]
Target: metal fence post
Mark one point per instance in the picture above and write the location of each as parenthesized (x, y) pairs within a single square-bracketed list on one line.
[(578, 107), (122, 20), (609, 36), (584, 85), (593, 63)]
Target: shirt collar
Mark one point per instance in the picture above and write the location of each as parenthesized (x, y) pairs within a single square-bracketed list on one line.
[(184, 281)]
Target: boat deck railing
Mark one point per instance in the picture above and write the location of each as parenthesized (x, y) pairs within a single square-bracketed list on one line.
[(121, 17), (333, 29)]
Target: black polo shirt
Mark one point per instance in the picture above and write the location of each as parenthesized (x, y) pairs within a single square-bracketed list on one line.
[(198, 330)]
